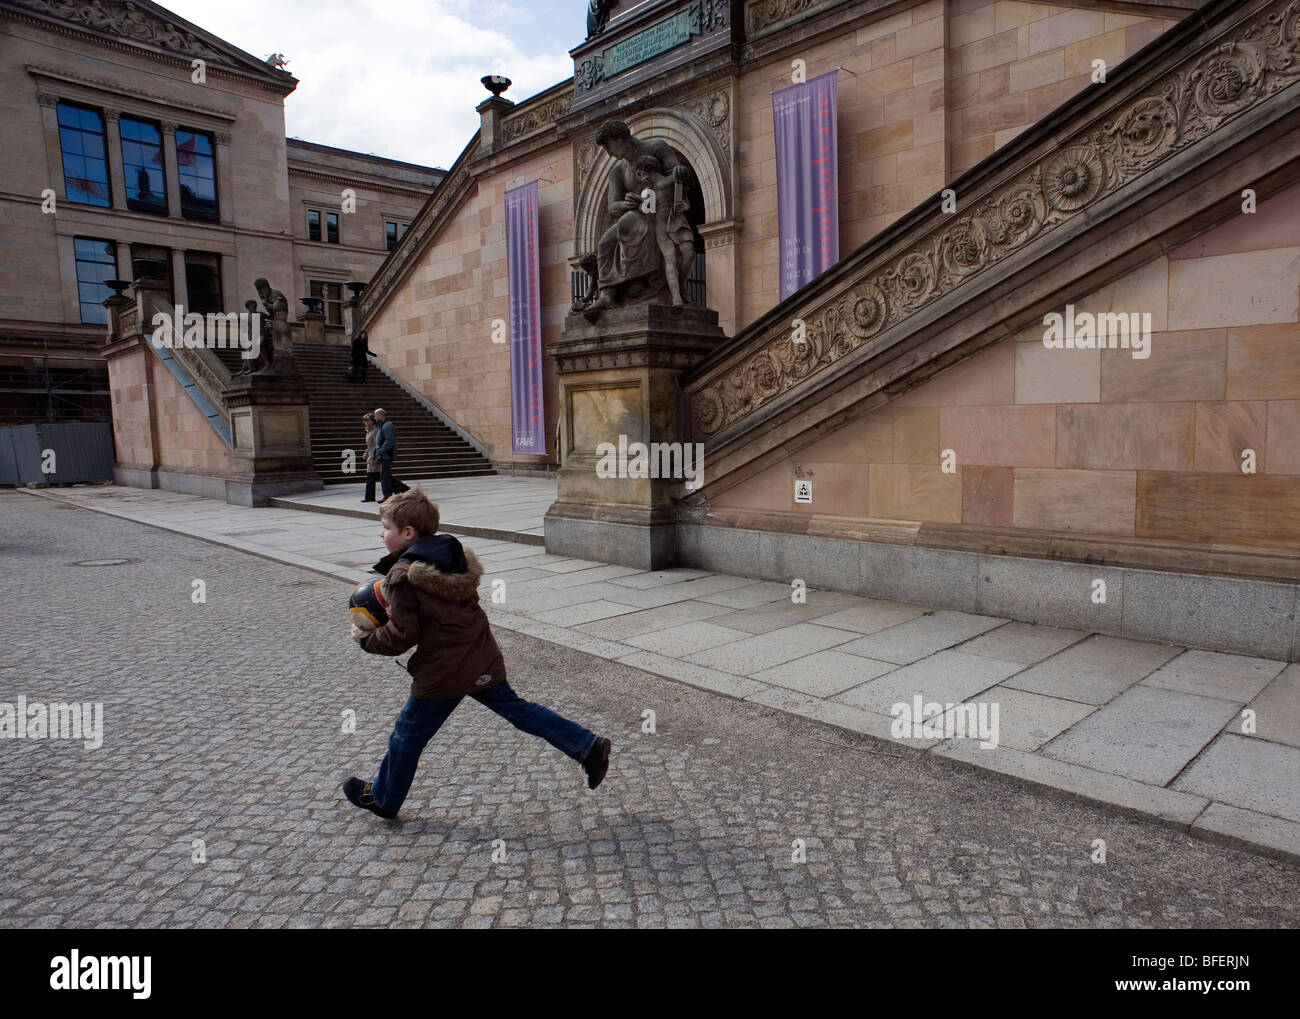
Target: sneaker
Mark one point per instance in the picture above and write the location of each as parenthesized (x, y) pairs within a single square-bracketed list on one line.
[(361, 794), (596, 762)]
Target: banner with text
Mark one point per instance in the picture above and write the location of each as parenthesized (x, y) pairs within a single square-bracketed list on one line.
[(527, 414), (807, 180)]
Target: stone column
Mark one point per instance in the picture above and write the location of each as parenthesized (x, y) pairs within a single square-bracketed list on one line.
[(225, 182), (618, 388), (53, 149), (113, 143), (173, 170), (180, 286)]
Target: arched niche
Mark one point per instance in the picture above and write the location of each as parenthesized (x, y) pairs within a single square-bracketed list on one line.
[(687, 134)]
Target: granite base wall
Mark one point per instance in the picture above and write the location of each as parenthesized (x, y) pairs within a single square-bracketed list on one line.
[(1247, 617)]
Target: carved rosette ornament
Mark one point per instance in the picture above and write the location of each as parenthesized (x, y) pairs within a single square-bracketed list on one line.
[(1190, 103)]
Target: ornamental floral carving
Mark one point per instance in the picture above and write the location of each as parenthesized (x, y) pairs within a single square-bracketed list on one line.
[(129, 20), (537, 118), (715, 110), (1188, 104), (764, 13)]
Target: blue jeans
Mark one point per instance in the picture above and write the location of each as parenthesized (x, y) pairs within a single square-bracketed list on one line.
[(420, 719)]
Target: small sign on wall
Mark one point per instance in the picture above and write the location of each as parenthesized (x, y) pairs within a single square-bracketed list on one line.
[(802, 490)]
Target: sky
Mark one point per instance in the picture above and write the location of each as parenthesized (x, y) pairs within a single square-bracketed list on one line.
[(398, 78)]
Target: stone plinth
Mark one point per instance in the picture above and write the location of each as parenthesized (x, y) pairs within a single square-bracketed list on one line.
[(271, 431), (618, 386)]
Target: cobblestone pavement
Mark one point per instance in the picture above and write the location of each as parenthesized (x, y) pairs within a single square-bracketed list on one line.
[(222, 723)]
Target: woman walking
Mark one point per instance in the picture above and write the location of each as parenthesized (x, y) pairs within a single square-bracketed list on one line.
[(372, 458)]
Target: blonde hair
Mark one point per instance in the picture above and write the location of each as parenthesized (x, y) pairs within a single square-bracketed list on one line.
[(411, 508)]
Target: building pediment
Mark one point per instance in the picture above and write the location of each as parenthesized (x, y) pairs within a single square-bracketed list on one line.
[(150, 27)]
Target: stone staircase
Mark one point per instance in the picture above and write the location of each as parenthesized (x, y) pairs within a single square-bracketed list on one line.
[(426, 447)]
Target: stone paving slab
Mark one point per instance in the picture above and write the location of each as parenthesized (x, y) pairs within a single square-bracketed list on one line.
[(1247, 773), (1071, 681), (704, 588), (754, 654), (775, 615), (911, 641), (948, 677), (1094, 670), (1029, 720), (649, 620), (685, 639), (825, 673), (1277, 710), (870, 615), (1023, 642), (1212, 674), (1146, 734), (696, 675)]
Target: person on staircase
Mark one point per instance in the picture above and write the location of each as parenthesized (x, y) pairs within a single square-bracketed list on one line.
[(360, 349), (372, 459), (386, 450)]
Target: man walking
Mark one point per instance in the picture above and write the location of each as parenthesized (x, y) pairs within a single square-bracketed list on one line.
[(386, 450)]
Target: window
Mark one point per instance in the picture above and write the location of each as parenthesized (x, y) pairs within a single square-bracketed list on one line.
[(332, 227), (85, 164), (203, 282), (147, 260), (197, 170), (313, 225), (96, 262), (143, 167), (393, 232), (332, 294)]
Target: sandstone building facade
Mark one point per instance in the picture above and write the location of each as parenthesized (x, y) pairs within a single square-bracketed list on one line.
[(134, 138), (1105, 159)]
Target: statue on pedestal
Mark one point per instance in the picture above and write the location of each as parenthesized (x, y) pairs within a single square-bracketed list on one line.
[(277, 338), (262, 360), (642, 257)]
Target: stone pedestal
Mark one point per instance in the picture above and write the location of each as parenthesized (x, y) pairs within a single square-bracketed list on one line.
[(618, 388), (271, 433)]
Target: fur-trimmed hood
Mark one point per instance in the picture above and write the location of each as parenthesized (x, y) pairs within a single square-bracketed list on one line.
[(439, 565)]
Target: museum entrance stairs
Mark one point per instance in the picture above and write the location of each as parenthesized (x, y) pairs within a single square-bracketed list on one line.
[(426, 446)]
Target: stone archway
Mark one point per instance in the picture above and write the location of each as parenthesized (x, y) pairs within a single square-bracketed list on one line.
[(686, 133)]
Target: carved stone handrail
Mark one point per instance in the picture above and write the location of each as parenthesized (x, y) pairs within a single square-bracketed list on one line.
[(863, 306), (209, 374)]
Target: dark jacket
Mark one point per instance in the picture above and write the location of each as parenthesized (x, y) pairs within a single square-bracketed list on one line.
[(360, 348), (432, 593), (386, 444)]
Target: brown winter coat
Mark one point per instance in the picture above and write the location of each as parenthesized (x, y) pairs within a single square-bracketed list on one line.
[(439, 615)]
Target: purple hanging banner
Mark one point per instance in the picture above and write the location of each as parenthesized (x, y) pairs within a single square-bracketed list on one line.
[(527, 415), (807, 180)]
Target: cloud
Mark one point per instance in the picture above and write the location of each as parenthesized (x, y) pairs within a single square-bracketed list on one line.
[(399, 79)]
